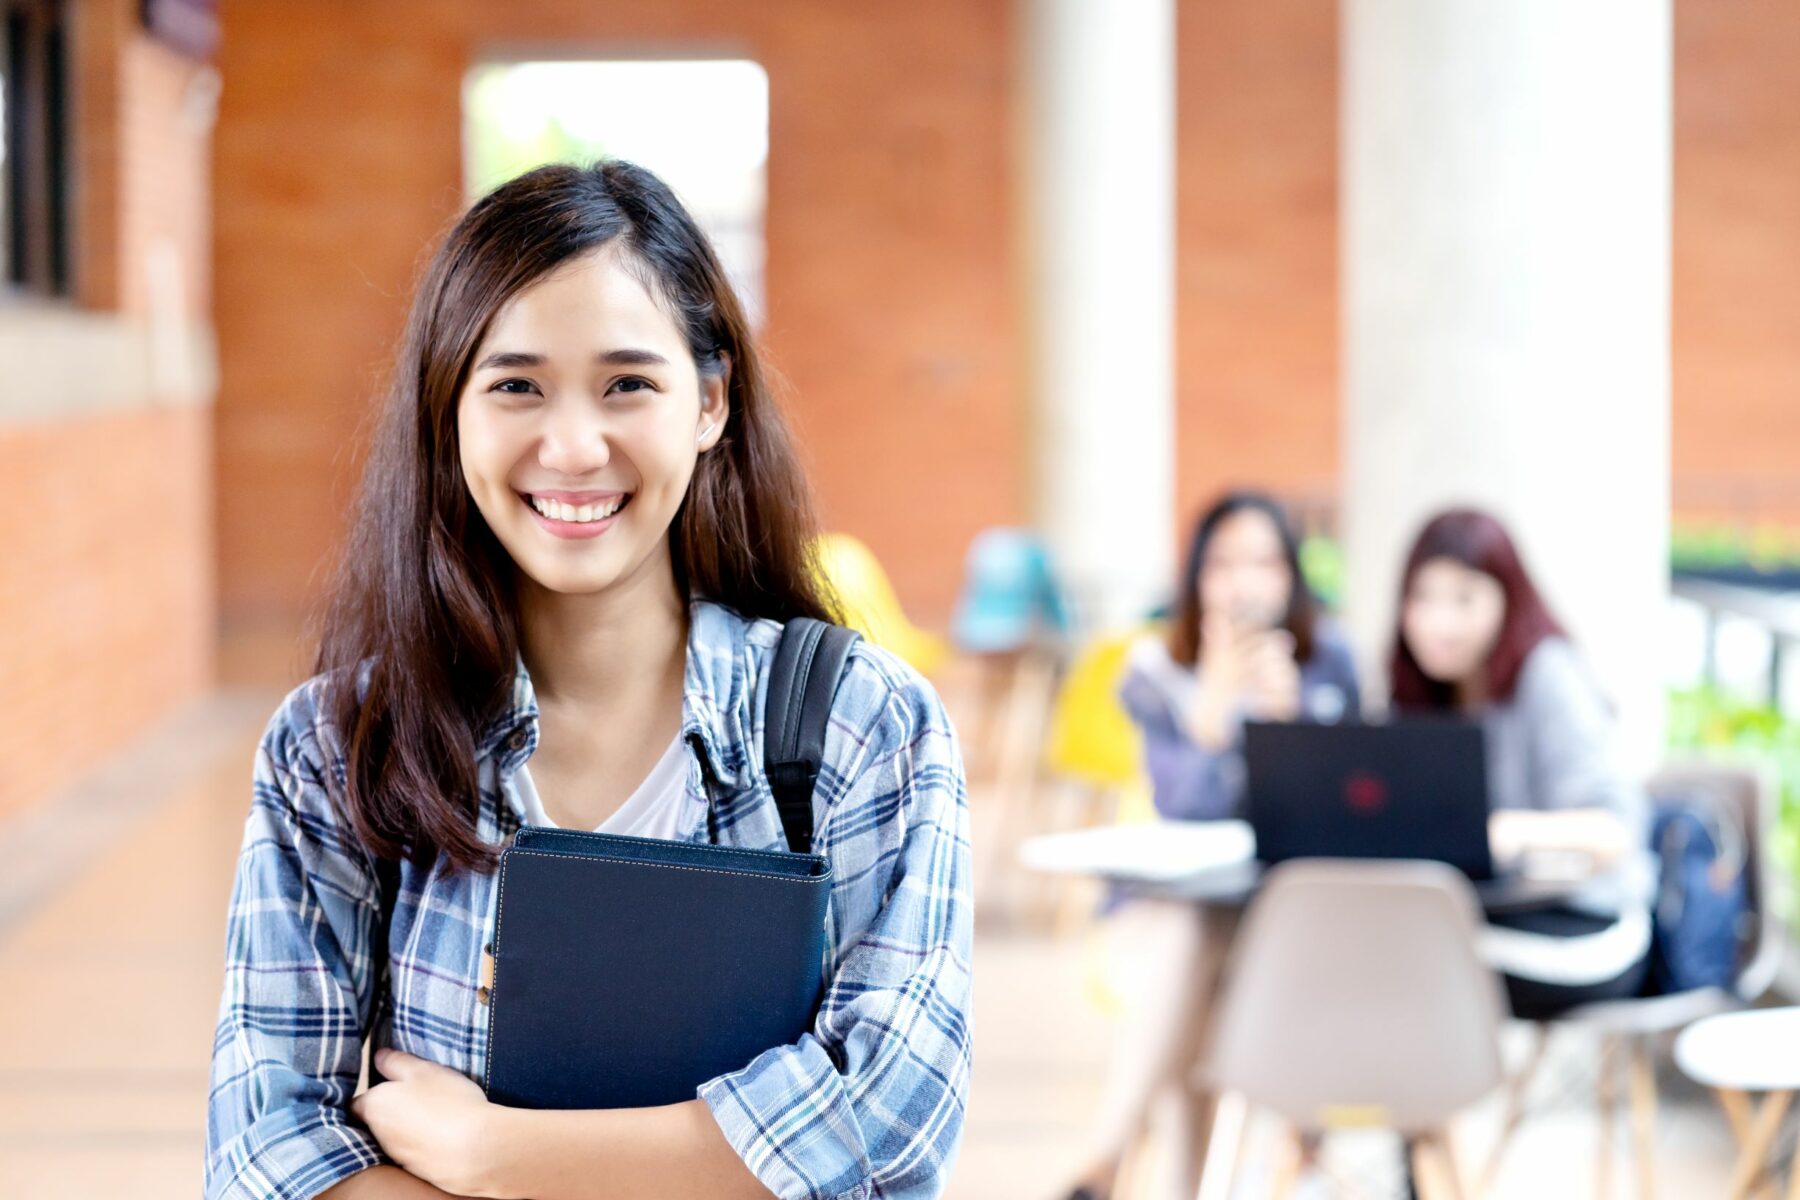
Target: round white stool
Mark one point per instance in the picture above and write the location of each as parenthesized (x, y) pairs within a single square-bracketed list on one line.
[(1743, 1052)]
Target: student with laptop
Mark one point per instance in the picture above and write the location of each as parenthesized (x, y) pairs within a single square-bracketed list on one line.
[(581, 538), (1247, 641), (1475, 639)]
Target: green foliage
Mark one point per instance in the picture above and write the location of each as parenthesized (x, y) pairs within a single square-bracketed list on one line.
[(1322, 564), (1707, 721), (1765, 546), (497, 153)]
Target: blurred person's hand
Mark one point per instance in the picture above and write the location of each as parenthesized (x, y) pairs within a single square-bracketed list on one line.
[(1568, 844), (1272, 683), (1242, 665)]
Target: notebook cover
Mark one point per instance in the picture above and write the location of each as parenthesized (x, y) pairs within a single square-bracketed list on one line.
[(629, 971)]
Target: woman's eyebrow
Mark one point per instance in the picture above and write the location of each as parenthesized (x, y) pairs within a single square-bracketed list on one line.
[(617, 358), (632, 358)]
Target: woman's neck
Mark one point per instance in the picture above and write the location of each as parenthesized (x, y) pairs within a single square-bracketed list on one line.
[(598, 652), (1472, 692)]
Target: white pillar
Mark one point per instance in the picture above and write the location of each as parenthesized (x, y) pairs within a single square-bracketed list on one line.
[(1097, 116), (1505, 209)]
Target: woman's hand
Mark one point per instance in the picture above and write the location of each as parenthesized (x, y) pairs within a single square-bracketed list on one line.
[(1272, 684), (1251, 669), (434, 1122), (1562, 844)]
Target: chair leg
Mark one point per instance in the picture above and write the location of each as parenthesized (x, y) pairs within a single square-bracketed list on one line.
[(1452, 1162), (1643, 1117), (1224, 1147), (1514, 1112), (1737, 1113), (1606, 1109), (1020, 689), (1753, 1154), (1741, 1116), (1128, 1181), (1287, 1170), (1053, 808), (1434, 1167)]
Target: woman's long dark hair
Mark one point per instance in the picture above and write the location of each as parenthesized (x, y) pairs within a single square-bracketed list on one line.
[(422, 595), (1303, 607), (1478, 541)]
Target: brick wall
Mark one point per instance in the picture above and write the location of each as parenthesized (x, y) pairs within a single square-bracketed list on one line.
[(892, 253), (891, 313), (1737, 260), (107, 597)]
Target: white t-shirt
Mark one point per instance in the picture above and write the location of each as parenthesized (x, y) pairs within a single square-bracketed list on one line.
[(652, 811)]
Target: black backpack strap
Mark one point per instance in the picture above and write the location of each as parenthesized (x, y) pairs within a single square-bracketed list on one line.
[(809, 660), (387, 876)]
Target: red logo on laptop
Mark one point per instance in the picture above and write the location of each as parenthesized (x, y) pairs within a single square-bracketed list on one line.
[(1365, 793)]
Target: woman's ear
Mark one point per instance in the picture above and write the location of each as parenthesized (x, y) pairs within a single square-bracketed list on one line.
[(715, 404)]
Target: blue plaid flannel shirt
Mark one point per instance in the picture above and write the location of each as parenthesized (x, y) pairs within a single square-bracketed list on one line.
[(868, 1104)]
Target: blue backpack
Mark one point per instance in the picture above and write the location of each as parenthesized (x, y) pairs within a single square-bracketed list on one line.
[(1702, 902)]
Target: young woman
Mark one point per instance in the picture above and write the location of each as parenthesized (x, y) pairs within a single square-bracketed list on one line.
[(579, 530), (1247, 641), (1476, 638)]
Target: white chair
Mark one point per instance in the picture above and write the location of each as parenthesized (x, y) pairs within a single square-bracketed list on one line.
[(1354, 997), (1627, 1029)]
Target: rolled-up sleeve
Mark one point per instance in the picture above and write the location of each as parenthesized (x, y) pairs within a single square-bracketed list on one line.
[(1188, 782), (287, 1049), (870, 1103)]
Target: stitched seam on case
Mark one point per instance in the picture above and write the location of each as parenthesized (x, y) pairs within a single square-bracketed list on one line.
[(487, 1067), (632, 862), (590, 834), (596, 836)]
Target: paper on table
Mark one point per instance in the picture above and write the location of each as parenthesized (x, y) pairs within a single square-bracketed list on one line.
[(1151, 850)]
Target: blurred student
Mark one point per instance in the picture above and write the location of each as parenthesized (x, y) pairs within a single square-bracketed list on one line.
[(1475, 638), (1247, 642)]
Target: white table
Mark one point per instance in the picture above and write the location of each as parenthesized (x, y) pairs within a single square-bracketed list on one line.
[(1147, 852), (1739, 1053), (1214, 862)]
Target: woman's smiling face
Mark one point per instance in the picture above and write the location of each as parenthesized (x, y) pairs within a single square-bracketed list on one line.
[(1451, 617), (580, 422)]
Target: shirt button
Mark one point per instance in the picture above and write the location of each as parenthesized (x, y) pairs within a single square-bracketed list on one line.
[(518, 738), (483, 994)]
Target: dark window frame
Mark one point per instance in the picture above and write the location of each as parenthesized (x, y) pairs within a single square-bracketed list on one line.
[(36, 252)]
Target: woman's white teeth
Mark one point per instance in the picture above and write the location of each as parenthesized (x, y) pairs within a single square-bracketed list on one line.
[(556, 510)]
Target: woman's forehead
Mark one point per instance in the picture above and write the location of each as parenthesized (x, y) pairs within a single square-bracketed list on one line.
[(593, 304)]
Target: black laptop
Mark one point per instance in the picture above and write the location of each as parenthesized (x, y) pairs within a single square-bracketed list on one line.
[(1415, 788)]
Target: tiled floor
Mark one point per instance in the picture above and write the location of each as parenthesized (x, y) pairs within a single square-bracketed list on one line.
[(111, 921)]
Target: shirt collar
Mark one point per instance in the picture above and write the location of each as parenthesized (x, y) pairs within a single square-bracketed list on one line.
[(716, 700)]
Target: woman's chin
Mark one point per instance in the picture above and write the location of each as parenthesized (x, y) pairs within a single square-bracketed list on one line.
[(1445, 675), (567, 580)]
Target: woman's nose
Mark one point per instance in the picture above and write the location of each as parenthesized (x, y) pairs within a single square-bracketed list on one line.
[(575, 442)]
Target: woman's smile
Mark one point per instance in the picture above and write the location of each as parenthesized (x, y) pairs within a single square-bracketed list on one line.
[(567, 520)]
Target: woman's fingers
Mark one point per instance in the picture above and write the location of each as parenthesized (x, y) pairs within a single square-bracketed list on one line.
[(398, 1064)]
